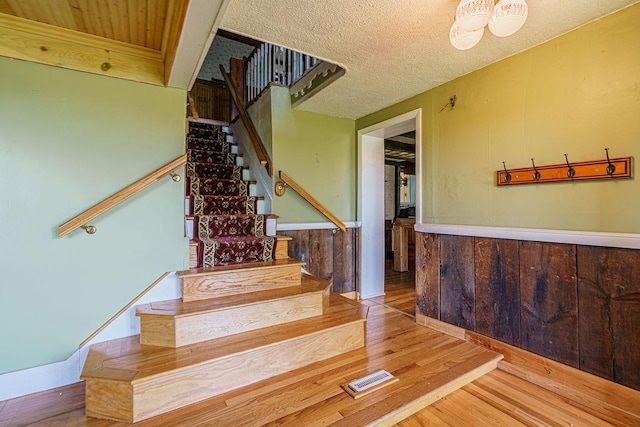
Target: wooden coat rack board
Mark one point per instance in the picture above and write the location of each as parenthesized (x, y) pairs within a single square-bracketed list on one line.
[(582, 171)]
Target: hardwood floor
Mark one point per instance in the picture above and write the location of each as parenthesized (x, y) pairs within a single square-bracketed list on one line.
[(427, 363), (500, 398), (312, 396), (399, 288)]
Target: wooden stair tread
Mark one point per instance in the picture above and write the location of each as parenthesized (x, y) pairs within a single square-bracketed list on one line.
[(128, 360), (236, 267), (178, 308), (404, 398)]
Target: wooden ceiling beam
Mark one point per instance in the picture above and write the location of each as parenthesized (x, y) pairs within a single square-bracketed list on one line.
[(201, 22), (46, 44), (399, 146)]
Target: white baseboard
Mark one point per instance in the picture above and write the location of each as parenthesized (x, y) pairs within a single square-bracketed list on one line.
[(45, 377)]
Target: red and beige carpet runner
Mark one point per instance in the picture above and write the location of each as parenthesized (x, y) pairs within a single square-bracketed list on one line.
[(227, 228)]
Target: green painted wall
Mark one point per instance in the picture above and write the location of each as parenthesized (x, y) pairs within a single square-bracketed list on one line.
[(318, 152), (576, 94), (67, 141)]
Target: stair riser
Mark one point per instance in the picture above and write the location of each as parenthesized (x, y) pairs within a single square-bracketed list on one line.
[(109, 399), (193, 255), (282, 252), (282, 249), (177, 389), (235, 282), (167, 331), (260, 207)]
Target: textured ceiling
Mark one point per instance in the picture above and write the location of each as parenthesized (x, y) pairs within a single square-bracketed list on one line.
[(394, 49)]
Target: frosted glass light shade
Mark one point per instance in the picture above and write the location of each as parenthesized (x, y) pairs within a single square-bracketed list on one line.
[(508, 17), (463, 40), (472, 15)]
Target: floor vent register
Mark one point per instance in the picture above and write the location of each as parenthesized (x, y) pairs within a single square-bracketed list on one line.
[(366, 385)]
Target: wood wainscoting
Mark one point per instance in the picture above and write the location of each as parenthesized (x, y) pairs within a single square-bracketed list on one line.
[(328, 255), (212, 100), (576, 304)]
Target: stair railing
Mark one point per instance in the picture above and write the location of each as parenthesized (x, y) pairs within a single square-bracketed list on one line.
[(258, 146), (82, 220), (275, 64), (287, 181)]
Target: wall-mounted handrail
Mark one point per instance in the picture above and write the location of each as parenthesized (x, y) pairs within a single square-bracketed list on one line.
[(258, 146), (82, 219), (309, 198)]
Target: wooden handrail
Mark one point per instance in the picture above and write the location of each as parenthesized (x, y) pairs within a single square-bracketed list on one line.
[(311, 200), (258, 146), (119, 197)]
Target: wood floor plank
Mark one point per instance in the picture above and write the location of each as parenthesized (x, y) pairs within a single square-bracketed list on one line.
[(550, 399), (575, 385), (399, 288), (476, 410), (500, 398), (447, 417), (39, 406), (421, 419)]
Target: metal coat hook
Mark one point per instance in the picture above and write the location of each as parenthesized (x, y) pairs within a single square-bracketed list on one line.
[(507, 176), (611, 168), (571, 172), (536, 172)]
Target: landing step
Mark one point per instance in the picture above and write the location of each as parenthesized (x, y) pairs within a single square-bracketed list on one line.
[(129, 381), (175, 323), (204, 283), (428, 365), (403, 400)]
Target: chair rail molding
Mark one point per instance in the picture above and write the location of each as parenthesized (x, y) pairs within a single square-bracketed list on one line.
[(587, 238)]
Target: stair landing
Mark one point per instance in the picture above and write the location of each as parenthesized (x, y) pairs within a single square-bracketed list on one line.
[(429, 365)]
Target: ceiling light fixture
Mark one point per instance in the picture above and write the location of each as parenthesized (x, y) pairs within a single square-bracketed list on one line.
[(504, 19)]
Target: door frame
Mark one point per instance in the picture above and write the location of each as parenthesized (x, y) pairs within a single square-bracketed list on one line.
[(370, 199)]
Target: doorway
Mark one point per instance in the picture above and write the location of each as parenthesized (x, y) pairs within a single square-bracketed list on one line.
[(371, 211)]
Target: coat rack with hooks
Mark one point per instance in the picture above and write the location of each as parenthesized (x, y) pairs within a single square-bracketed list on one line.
[(583, 171)]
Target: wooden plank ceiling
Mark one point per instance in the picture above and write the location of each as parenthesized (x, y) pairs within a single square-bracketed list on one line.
[(133, 39)]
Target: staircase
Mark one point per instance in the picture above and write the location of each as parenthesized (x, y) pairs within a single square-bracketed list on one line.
[(247, 311), (226, 221)]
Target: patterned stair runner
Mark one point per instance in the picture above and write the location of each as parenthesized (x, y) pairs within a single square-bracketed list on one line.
[(228, 229)]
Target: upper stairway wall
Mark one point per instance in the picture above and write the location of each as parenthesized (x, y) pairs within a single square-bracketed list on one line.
[(69, 140), (317, 151)]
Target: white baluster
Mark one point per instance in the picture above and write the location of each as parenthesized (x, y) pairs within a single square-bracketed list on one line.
[(288, 68), (249, 78), (270, 64), (261, 85)]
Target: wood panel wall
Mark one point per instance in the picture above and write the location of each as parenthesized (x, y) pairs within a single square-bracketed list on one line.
[(212, 100), (328, 255), (579, 305)]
